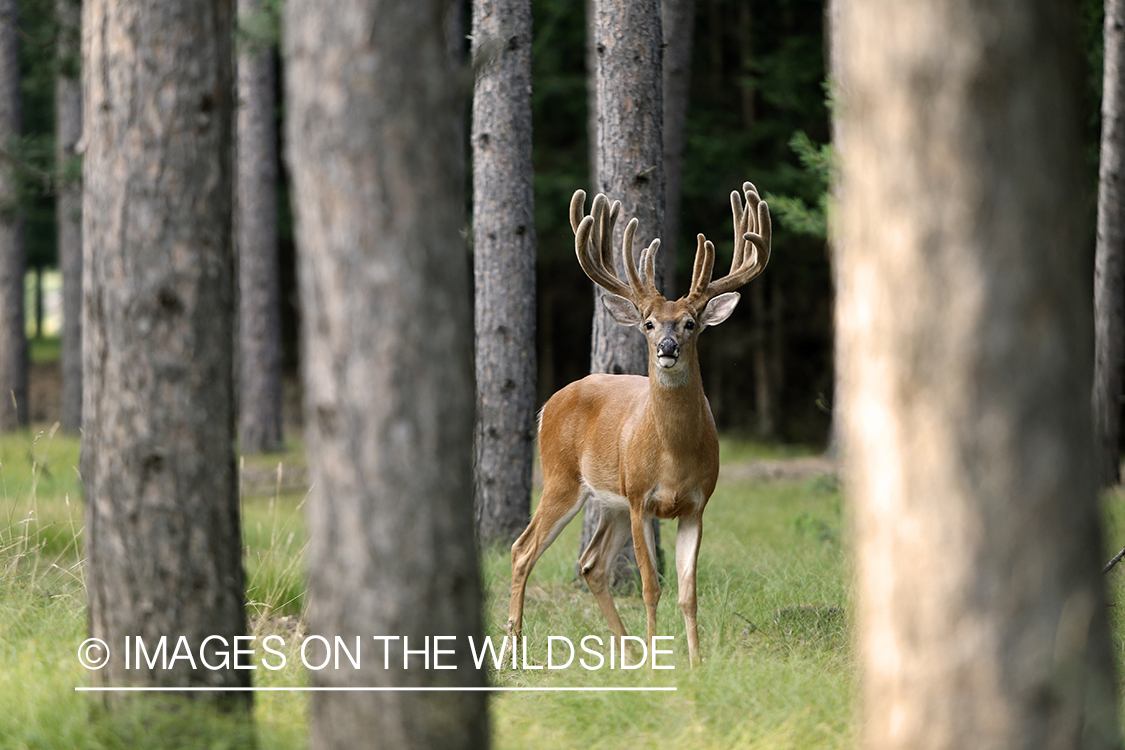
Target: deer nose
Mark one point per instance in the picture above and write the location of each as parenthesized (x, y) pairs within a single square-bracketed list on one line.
[(668, 348)]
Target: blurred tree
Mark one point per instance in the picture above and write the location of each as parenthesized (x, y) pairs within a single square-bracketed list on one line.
[(1109, 265), (259, 268), (13, 257), (372, 127), (628, 150), (965, 351), (162, 533), (504, 268), (68, 203)]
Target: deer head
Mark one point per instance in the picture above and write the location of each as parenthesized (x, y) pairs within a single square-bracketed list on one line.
[(670, 327)]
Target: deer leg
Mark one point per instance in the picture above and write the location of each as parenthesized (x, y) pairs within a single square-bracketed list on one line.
[(558, 505), (644, 546), (688, 535), (608, 539)]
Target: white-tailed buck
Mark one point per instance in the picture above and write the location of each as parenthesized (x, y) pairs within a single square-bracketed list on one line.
[(639, 447)]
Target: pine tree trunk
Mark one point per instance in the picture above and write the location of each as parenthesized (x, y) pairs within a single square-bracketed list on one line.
[(628, 148), (965, 350), (162, 518), (378, 189), (1109, 264), (678, 24), (259, 269), (13, 257), (68, 206), (504, 268)]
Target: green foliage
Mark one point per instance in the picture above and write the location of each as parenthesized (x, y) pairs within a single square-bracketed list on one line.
[(261, 29), (819, 162)]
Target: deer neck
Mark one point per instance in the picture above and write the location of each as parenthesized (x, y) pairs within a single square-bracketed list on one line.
[(676, 404)]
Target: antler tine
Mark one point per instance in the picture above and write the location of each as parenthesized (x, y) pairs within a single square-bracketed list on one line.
[(704, 265), (577, 207), (594, 251), (752, 238), (648, 263)]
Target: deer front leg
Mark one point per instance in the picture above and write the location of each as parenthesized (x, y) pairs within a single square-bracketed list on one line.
[(644, 546), (688, 535)]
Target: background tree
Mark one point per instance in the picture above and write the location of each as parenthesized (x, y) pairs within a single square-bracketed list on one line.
[(68, 203), (677, 19), (372, 124), (964, 351), (504, 267), (163, 545), (259, 270), (628, 151), (1109, 263), (13, 258)]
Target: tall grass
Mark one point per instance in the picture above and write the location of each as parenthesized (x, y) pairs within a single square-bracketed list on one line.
[(773, 594)]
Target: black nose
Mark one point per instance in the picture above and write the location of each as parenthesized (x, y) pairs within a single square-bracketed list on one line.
[(667, 348)]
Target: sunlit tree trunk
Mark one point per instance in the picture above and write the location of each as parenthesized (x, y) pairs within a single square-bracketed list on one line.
[(628, 152), (162, 529), (1109, 266), (504, 268), (372, 127), (13, 256), (965, 348)]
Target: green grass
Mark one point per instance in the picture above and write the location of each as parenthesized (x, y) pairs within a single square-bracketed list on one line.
[(773, 623)]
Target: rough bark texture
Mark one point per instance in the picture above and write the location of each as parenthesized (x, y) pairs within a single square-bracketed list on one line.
[(259, 269), (628, 152), (162, 518), (13, 257), (964, 350), (504, 268), (1109, 265), (68, 206), (678, 25), (378, 191)]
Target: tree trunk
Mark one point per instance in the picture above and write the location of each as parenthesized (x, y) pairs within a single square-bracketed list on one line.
[(1109, 265), (504, 268), (765, 396), (68, 205), (13, 256), (162, 518), (678, 24), (259, 269), (833, 18), (629, 166), (378, 190), (964, 347)]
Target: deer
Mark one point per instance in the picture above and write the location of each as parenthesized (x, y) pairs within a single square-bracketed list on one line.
[(640, 447)]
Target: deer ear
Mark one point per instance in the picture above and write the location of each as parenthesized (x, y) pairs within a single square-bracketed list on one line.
[(622, 310), (719, 309)]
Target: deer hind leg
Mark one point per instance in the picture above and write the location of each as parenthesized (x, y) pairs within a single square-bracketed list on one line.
[(688, 535), (613, 529), (559, 505), (644, 546)]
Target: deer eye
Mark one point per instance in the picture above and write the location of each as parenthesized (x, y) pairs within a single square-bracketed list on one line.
[(689, 325), (648, 325)]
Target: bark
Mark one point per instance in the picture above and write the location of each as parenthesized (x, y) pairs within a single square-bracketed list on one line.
[(504, 268), (678, 25), (378, 189), (68, 206), (628, 150), (965, 346), (259, 268), (13, 256), (1109, 264), (162, 519)]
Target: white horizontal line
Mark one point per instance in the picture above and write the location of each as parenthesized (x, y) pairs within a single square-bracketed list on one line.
[(197, 689)]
